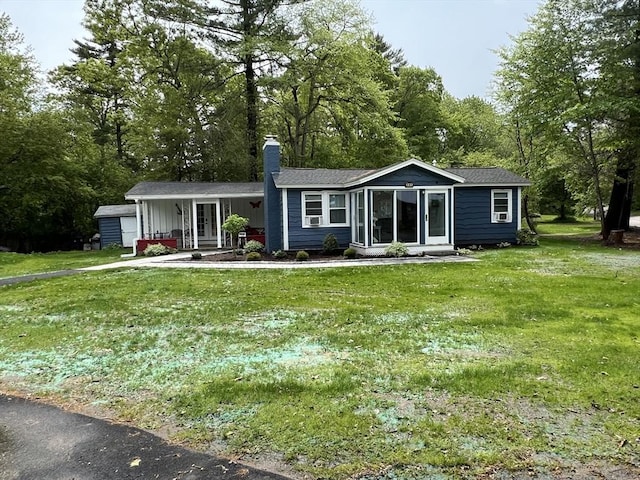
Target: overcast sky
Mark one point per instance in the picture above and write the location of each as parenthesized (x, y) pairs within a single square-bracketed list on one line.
[(455, 37)]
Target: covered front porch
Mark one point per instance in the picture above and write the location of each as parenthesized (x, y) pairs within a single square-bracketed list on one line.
[(173, 213)]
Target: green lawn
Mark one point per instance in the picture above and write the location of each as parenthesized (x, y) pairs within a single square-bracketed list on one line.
[(548, 225), (526, 360), (15, 264)]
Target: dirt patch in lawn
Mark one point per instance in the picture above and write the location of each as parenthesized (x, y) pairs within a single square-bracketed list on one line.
[(630, 240)]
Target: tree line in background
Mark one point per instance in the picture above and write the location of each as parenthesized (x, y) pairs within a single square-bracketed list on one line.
[(185, 90)]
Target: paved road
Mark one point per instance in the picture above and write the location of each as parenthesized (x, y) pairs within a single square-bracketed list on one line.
[(41, 442)]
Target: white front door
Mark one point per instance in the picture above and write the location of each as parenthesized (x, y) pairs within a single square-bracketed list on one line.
[(206, 221), (437, 218), (129, 230)]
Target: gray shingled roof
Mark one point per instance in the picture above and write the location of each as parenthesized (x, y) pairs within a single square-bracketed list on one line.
[(338, 177), (312, 177), (318, 176), (115, 211), (194, 189), (488, 176)]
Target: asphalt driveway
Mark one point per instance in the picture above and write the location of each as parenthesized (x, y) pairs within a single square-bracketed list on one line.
[(41, 442)]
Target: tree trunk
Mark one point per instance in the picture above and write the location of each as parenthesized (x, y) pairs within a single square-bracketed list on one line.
[(252, 118), (527, 216), (251, 92), (622, 192), (617, 217)]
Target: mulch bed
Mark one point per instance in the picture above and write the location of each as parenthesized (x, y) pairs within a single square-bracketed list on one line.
[(230, 257)]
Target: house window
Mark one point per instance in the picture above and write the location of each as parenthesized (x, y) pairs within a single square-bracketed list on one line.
[(312, 205), (501, 206), (337, 208), (328, 209)]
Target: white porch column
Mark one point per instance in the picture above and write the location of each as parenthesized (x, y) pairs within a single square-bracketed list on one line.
[(138, 220), (194, 224), (147, 215), (367, 219), (519, 209), (285, 218), (452, 216), (219, 223)]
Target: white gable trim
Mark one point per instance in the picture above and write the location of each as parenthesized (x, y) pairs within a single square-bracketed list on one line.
[(400, 166)]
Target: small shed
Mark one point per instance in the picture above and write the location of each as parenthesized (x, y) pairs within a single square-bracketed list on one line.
[(116, 224)]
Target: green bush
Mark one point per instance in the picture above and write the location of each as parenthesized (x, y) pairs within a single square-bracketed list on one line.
[(396, 249), (302, 256), (254, 246), (157, 249), (350, 253), (279, 254), (196, 256), (254, 256), (527, 237), (330, 243), (234, 224)]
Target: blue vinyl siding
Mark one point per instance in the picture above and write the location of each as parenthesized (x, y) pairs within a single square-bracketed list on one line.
[(310, 238), (473, 218), (110, 232), (413, 174)]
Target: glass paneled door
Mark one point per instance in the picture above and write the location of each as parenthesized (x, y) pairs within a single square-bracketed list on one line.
[(436, 218), (407, 216), (206, 213)]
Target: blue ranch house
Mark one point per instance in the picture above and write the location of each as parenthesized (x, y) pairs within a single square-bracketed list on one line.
[(425, 207)]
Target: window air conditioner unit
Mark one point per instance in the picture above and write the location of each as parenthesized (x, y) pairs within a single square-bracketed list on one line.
[(314, 221), (501, 216)]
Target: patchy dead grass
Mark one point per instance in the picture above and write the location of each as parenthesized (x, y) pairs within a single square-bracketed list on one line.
[(522, 365)]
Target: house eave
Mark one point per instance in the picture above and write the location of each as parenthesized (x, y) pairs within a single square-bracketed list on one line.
[(492, 185), (311, 186), (194, 197)]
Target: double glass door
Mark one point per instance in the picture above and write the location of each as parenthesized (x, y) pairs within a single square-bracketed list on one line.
[(394, 216)]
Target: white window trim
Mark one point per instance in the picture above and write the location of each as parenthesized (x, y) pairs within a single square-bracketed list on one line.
[(494, 216), (325, 208)]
